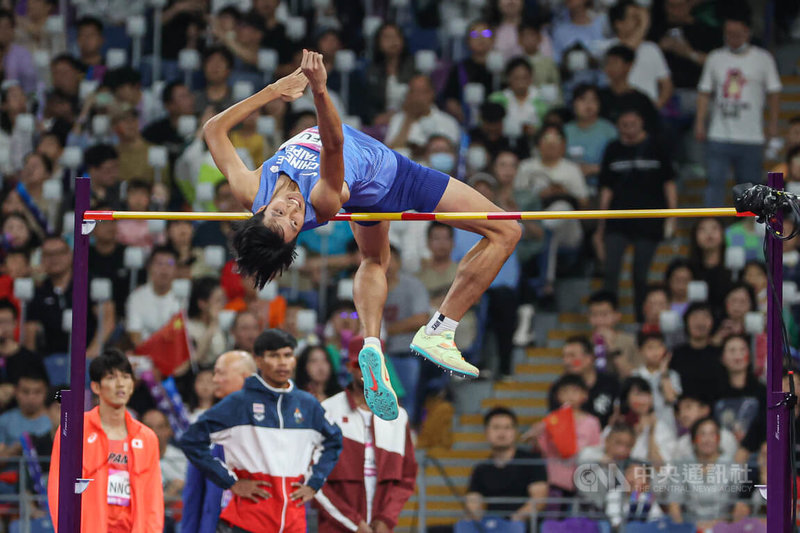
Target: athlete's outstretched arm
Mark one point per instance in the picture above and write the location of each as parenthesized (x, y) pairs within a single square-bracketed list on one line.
[(326, 196), (244, 182)]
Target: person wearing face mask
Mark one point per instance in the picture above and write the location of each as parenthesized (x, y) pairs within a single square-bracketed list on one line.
[(742, 78), (441, 154)]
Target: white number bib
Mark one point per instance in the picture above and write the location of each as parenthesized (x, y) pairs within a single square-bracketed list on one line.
[(119, 487)]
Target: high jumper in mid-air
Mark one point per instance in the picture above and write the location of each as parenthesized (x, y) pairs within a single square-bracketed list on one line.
[(318, 172)]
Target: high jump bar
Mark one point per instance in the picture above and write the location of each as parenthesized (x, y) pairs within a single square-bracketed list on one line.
[(500, 215)]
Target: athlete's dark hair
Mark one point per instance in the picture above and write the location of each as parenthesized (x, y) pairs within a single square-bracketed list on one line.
[(260, 250)]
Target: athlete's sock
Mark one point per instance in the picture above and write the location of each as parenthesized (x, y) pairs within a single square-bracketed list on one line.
[(439, 323), (375, 342)]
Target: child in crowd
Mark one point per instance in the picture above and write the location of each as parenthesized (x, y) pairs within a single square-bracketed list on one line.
[(203, 393), (545, 70), (637, 410), (615, 349), (689, 410), (665, 383), (137, 232), (571, 392)]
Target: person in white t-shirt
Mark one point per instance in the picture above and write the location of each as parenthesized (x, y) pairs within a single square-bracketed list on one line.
[(559, 185), (420, 119), (150, 306), (741, 78), (649, 73)]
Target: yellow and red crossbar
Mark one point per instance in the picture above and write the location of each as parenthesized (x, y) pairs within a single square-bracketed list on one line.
[(500, 215)]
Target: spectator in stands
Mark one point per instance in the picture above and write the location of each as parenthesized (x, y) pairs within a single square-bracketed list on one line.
[(191, 259), (524, 106), (489, 136), (202, 499), (686, 41), (741, 403), (36, 169), (51, 144), (406, 309), (102, 163), (578, 359), (580, 25), (618, 347), (120, 453), (510, 472), (664, 382), (677, 278), (649, 72), (32, 31), (18, 233), (67, 73), (739, 301), (244, 42), (420, 118), (202, 397), (215, 232), (697, 361), (178, 101), (754, 274), (293, 424), (90, 45), (125, 83), (635, 174), (244, 331), (15, 142), (315, 373), (30, 414), (615, 449), (44, 331), (742, 78), (173, 462), (107, 260), (132, 232), (551, 176), (17, 61), (442, 155), (392, 66), (275, 34), (183, 24), (151, 305), (206, 301), (707, 258), (471, 69), (656, 301), (588, 134), (570, 392), (620, 95), (705, 500), (637, 409), (133, 152), (506, 16), (15, 359), (376, 473), (545, 70), (504, 168), (217, 66), (688, 411)]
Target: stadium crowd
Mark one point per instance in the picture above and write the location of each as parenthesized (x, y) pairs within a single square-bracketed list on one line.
[(537, 104)]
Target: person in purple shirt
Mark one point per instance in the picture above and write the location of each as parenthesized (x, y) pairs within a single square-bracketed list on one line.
[(17, 61)]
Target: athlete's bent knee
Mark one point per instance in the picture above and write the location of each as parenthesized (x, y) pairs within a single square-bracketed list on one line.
[(509, 234)]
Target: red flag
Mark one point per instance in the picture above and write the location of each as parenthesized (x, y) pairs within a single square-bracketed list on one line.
[(560, 428), (168, 347)]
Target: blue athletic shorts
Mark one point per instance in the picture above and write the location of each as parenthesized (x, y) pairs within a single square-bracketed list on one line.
[(414, 187)]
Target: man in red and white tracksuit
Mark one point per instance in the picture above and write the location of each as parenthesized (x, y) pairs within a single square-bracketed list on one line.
[(270, 431), (376, 471)]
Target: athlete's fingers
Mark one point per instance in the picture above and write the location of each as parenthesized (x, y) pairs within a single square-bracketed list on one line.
[(296, 484), (264, 494), (263, 483)]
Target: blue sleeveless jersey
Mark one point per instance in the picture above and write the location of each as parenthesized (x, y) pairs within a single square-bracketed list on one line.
[(370, 169)]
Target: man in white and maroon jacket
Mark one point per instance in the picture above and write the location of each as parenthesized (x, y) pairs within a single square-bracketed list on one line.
[(376, 471)]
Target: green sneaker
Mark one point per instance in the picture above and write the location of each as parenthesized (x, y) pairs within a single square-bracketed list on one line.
[(378, 391), (441, 349)]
